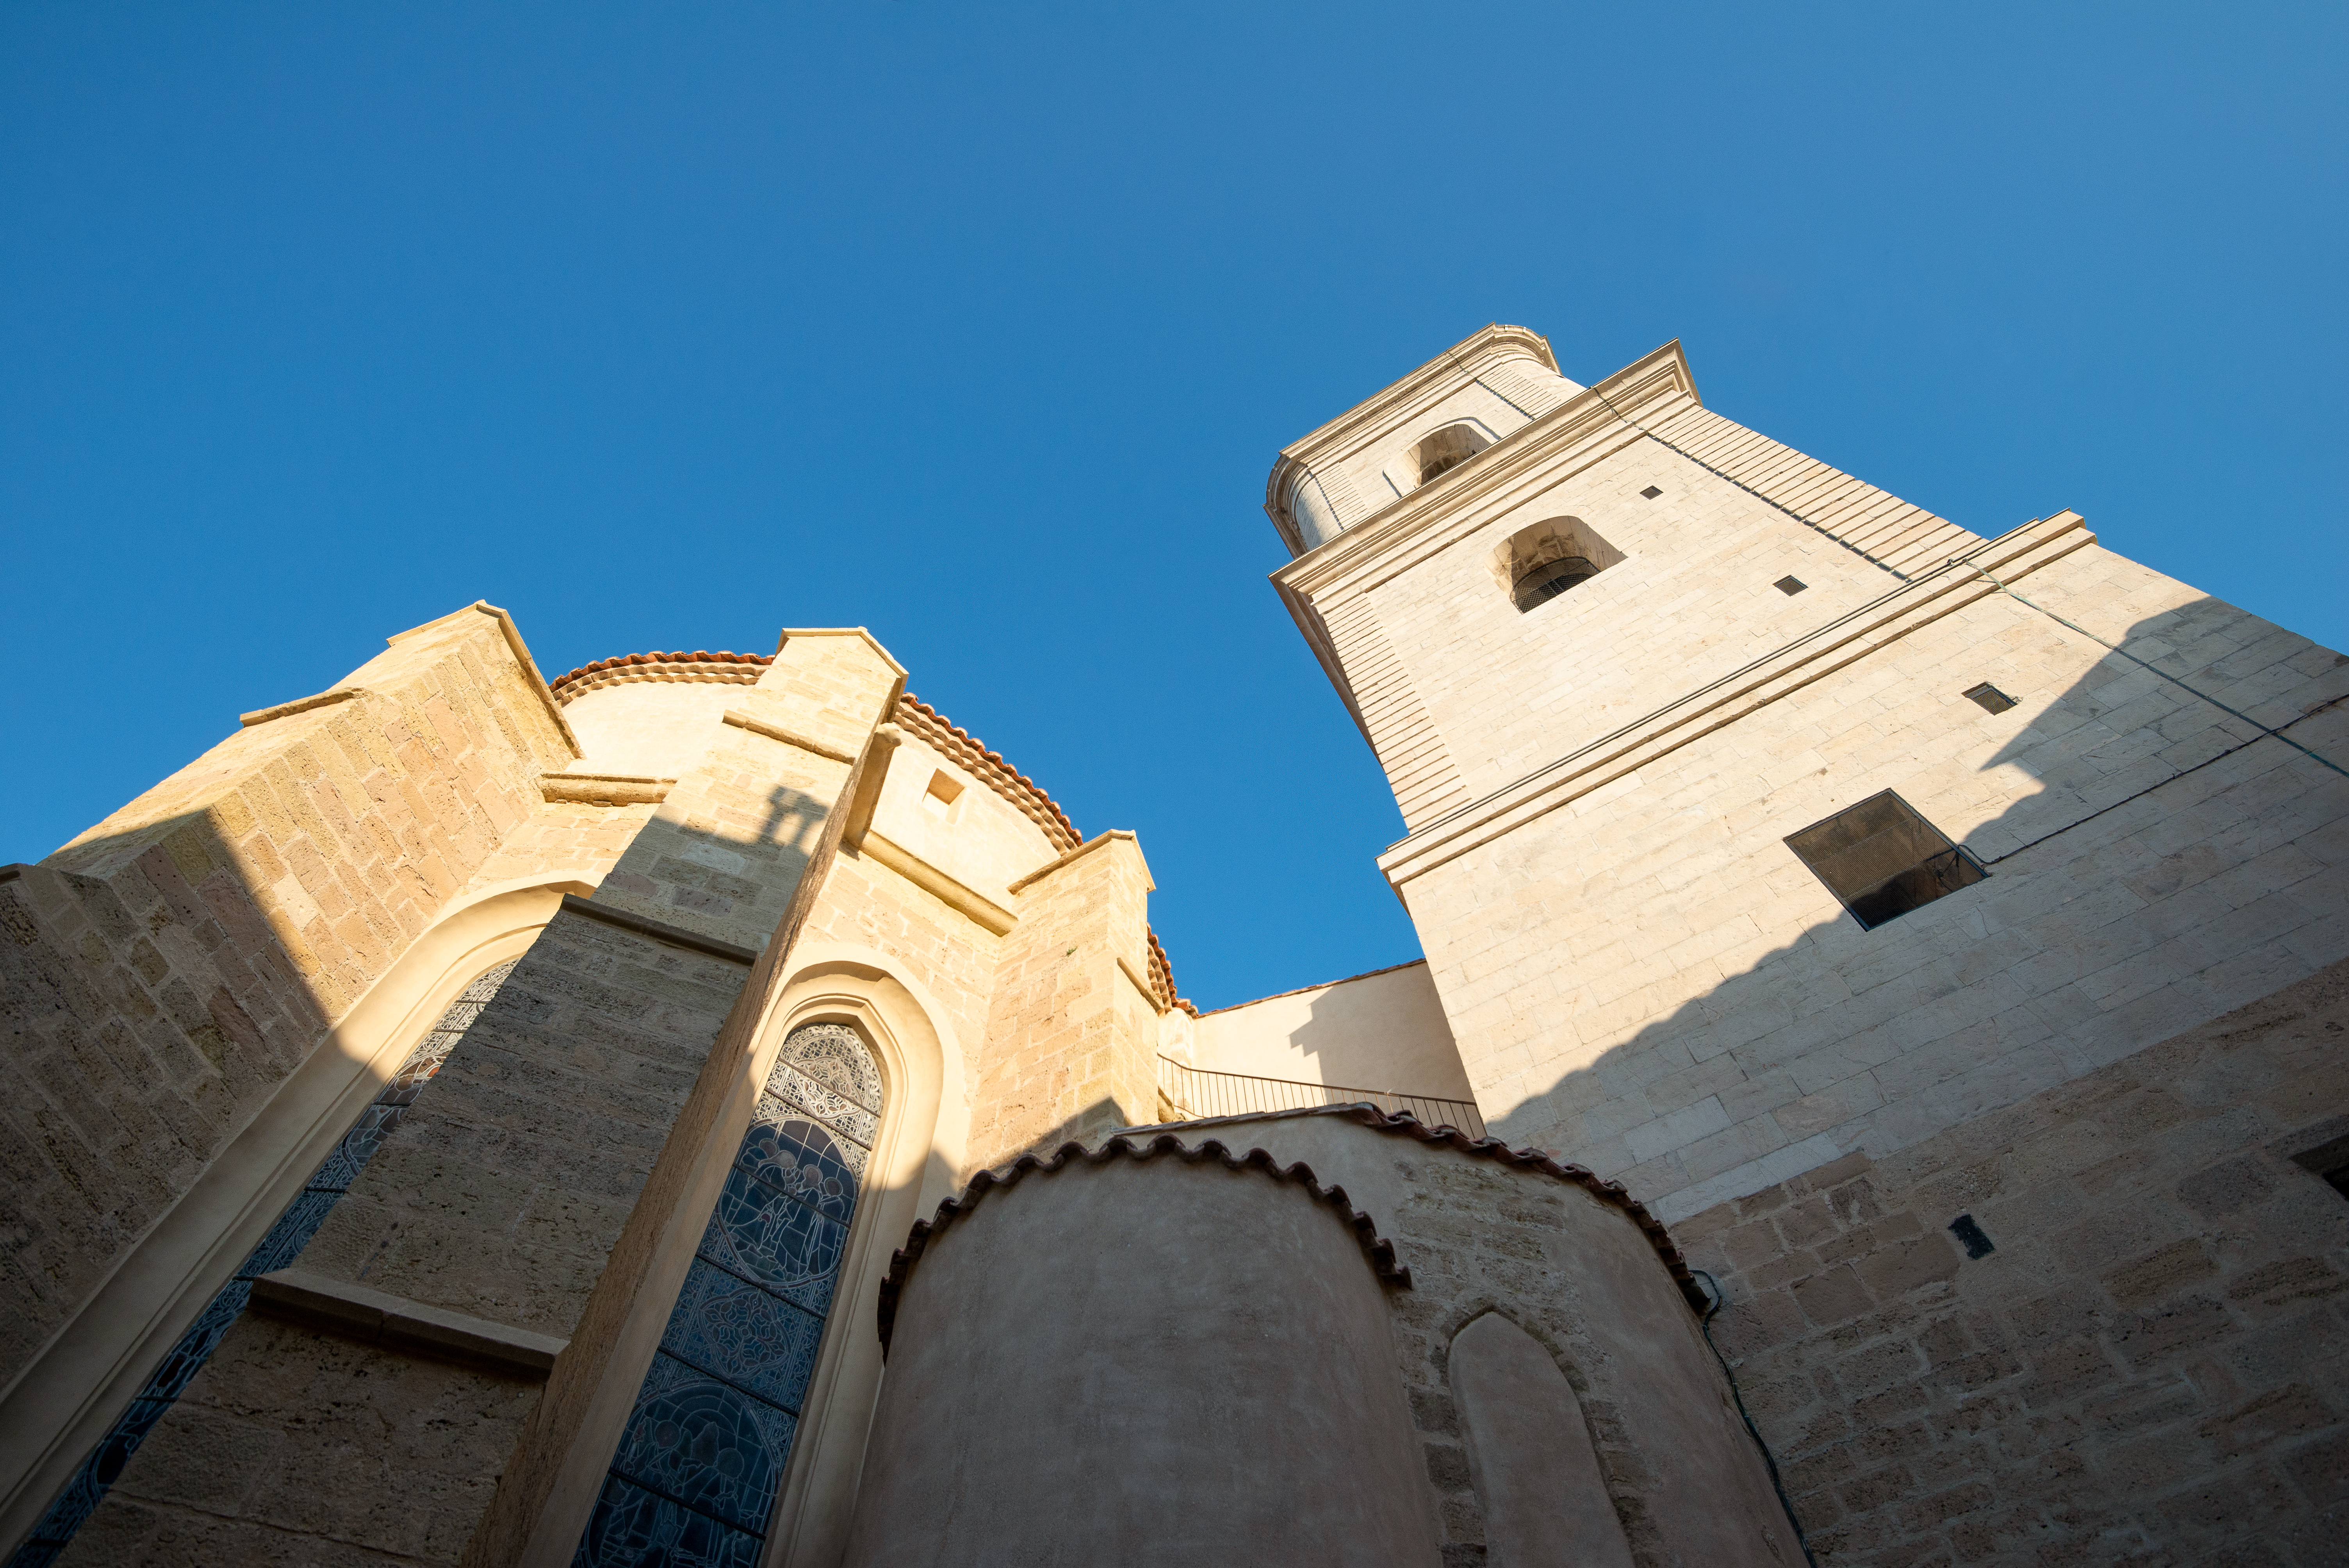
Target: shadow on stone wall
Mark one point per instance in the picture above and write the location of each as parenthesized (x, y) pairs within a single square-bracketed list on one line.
[(2154, 883)]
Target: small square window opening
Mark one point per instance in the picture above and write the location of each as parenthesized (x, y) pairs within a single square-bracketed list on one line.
[(1992, 700), (939, 798), (2329, 1163), (1790, 587), (1883, 859), (1651, 493)]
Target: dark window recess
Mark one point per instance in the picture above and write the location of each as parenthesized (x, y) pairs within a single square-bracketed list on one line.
[(1651, 493), (1790, 587), (1969, 1236), (1553, 578), (2329, 1162), (1883, 859), (1992, 700)]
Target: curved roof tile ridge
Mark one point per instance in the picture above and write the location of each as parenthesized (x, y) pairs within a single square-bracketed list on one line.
[(965, 749), (1613, 1193), (971, 753), (1379, 1251)]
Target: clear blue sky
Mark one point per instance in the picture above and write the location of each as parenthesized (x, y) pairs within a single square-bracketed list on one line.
[(665, 326)]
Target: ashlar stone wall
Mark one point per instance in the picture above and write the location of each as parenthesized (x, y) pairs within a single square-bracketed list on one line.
[(2151, 1367), (169, 968)]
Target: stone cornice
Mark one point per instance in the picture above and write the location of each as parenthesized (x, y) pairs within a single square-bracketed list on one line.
[(605, 788), (1453, 367), (1451, 505), (1397, 403), (1693, 714)]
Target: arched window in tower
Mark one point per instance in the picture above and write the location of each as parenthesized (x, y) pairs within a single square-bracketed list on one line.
[(701, 1460), (1446, 450), (279, 1247), (1540, 563)]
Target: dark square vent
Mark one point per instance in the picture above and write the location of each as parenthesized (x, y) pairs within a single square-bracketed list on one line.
[(1651, 493), (1992, 700), (1790, 587), (1883, 859), (2329, 1163)]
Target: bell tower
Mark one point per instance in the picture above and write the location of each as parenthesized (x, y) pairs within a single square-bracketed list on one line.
[(1755, 816)]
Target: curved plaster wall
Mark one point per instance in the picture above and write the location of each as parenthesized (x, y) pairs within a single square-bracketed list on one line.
[(1144, 1361), (652, 729)]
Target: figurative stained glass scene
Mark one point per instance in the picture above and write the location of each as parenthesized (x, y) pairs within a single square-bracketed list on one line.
[(286, 1238), (695, 1478)]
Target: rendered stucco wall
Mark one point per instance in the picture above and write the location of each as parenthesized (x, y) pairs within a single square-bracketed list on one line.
[(1143, 1362), (1378, 1031)]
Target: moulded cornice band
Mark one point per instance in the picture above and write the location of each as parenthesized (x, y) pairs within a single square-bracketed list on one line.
[(1815, 655)]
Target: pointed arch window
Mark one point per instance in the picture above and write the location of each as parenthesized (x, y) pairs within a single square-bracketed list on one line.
[(701, 1459), (79, 1498)]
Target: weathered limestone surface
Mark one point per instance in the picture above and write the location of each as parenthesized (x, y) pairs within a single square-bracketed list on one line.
[(1150, 1362), (169, 968), (1070, 1043), (1575, 1274), (1647, 980), (2152, 1368), (535, 1177)]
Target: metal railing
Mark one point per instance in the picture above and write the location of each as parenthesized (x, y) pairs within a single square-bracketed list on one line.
[(1192, 1094)]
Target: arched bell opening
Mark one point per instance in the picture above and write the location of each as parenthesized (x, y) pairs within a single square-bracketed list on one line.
[(1543, 561)]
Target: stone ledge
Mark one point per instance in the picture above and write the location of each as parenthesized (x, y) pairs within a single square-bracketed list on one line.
[(971, 905), (338, 1306), (603, 788), (299, 704), (660, 931), (742, 720)]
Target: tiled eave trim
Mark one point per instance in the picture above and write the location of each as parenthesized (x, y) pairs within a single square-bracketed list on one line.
[(1873, 626), (1612, 1193), (912, 715), (1377, 1250)]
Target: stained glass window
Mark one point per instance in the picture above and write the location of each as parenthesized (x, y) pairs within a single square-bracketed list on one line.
[(695, 1478), (79, 1497)]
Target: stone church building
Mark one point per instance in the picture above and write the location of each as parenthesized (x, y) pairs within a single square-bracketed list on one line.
[(1876, 1091)]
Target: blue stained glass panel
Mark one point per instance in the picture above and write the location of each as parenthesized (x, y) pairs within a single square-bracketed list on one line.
[(783, 1244), (711, 1447), (713, 1424), (634, 1528), (745, 1335), (803, 1160)]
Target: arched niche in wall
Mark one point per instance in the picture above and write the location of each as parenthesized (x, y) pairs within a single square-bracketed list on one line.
[(1543, 560), (1436, 454), (1529, 1454)]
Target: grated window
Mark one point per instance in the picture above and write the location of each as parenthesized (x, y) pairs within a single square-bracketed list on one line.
[(1883, 859), (1991, 699)]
